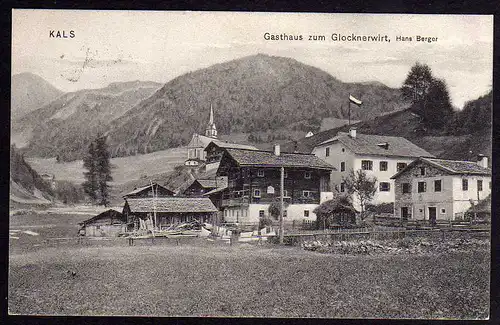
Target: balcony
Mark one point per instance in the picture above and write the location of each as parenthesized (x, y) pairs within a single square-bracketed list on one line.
[(239, 201)]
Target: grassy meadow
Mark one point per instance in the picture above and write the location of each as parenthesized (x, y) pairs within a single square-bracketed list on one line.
[(126, 168), (201, 278)]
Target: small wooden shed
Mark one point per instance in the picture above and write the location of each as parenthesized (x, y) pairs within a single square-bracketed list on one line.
[(110, 223)]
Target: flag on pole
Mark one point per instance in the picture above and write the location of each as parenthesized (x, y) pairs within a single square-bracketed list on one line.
[(354, 100)]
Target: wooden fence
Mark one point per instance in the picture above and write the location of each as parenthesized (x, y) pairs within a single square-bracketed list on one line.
[(392, 234)]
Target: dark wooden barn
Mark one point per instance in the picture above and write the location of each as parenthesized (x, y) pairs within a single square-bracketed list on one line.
[(150, 190), (161, 213), (110, 223)]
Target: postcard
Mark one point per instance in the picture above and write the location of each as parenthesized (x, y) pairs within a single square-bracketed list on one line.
[(250, 164)]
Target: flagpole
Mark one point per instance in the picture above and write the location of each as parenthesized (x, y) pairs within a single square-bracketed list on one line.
[(349, 102)]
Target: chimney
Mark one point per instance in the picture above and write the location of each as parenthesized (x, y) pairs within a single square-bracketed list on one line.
[(277, 150), (482, 160), (352, 132)]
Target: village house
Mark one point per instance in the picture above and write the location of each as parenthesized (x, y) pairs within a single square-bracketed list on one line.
[(379, 155), (151, 190), (440, 189), (199, 187), (162, 212), (254, 178), (207, 149), (110, 223)]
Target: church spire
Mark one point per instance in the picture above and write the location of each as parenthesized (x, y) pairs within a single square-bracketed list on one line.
[(211, 130), (211, 121)]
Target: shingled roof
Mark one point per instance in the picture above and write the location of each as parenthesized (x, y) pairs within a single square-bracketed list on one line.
[(459, 166), (223, 144), (171, 204), (379, 145), (262, 158), (452, 167), (147, 187), (207, 183)]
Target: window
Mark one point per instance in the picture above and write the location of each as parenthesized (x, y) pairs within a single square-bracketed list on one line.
[(422, 171), (270, 190), (343, 149), (307, 194), (261, 213), (366, 165), (342, 187), (285, 193), (421, 187), (443, 211), (479, 184), (327, 152), (342, 166), (384, 187), (400, 166), (307, 175), (406, 187), (437, 185), (306, 213), (465, 184), (260, 173), (383, 166), (285, 174), (256, 193)]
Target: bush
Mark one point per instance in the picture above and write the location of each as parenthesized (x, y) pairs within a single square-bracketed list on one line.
[(381, 208), (265, 222)]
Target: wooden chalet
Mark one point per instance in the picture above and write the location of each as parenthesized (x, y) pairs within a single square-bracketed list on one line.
[(215, 149), (110, 223), (150, 190), (254, 182), (141, 212), (201, 186)]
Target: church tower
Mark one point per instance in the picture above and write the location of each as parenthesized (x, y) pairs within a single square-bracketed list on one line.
[(211, 130)]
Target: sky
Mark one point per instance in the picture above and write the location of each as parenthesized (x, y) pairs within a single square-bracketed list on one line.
[(111, 46)]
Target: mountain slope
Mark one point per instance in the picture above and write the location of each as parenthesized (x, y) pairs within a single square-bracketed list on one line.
[(26, 186), (258, 92), (30, 92), (64, 126)]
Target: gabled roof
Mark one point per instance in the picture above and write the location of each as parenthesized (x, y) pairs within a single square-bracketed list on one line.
[(452, 167), (222, 144), (111, 213), (262, 158), (368, 144), (171, 204), (198, 141), (207, 183), (146, 187), (215, 190)]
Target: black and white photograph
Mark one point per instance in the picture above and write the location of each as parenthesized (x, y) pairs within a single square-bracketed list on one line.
[(250, 164)]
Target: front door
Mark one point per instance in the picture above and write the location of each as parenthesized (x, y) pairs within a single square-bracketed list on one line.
[(404, 213), (432, 215)]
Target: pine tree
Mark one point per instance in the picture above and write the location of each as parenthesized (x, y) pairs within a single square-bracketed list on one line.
[(89, 163), (103, 170)]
